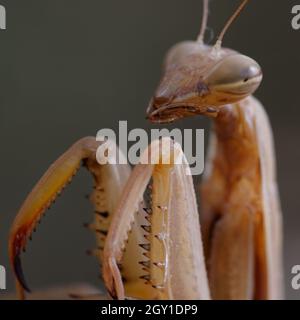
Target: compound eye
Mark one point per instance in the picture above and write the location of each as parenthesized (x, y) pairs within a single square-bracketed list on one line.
[(236, 74)]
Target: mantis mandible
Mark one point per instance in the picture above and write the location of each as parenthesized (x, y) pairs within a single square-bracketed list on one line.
[(151, 247)]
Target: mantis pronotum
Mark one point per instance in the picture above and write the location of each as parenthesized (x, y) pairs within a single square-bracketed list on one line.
[(153, 249)]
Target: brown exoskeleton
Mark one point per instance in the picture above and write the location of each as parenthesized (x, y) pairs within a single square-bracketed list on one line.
[(151, 247)]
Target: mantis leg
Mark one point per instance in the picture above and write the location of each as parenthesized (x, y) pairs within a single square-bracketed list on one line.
[(173, 254), (231, 271), (109, 180)]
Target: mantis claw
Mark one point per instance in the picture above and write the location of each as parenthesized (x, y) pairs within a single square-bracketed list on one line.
[(17, 267), (113, 279), (41, 198), (109, 181), (173, 242)]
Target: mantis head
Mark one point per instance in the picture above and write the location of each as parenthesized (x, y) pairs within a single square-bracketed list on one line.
[(200, 79)]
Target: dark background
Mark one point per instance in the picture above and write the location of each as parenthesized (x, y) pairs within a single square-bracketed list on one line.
[(69, 68)]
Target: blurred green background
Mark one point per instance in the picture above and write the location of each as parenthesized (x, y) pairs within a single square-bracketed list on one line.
[(69, 68)]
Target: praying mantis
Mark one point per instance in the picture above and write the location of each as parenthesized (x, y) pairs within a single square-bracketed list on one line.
[(149, 239)]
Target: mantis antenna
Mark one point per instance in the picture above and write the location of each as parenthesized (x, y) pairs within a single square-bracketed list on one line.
[(229, 23), (204, 21)]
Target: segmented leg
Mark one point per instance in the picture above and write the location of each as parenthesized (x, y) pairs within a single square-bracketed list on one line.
[(109, 182), (174, 264), (231, 262)]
